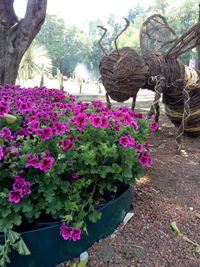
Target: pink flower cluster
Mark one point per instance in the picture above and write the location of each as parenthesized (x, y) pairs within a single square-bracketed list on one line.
[(50, 118), (154, 126), (145, 158), (1, 153), (127, 140), (4, 108), (70, 232), (5, 133), (43, 164), (20, 188)]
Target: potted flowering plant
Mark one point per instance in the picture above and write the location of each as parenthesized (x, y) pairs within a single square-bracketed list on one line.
[(58, 156)]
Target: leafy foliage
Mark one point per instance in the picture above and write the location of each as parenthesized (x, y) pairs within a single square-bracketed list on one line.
[(60, 161)]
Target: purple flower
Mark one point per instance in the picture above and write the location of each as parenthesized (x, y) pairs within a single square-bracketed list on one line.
[(46, 163), (154, 126), (147, 145), (1, 153), (80, 120), (96, 120), (60, 127), (66, 144), (139, 147), (104, 122), (131, 140), (3, 109), (97, 103), (70, 232), (66, 231), (26, 188), (76, 234), (5, 133), (33, 161), (47, 133), (73, 175), (22, 185), (145, 159), (126, 141), (15, 196), (34, 124), (138, 115)]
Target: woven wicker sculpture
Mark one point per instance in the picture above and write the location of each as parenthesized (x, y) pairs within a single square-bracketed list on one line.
[(124, 72)]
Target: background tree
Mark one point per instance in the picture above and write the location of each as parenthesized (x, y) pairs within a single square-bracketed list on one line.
[(35, 61), (16, 35)]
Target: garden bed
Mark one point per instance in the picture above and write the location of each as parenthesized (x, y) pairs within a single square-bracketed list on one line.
[(168, 192)]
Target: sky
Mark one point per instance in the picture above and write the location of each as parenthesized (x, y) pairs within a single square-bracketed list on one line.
[(79, 11)]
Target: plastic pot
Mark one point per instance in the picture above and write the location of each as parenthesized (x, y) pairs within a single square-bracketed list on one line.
[(47, 246)]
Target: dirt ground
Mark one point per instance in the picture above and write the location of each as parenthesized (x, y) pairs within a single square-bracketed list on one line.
[(169, 191)]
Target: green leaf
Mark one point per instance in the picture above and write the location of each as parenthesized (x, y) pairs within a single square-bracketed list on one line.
[(67, 218), (21, 247), (82, 263), (175, 228), (94, 216), (13, 236), (198, 249)]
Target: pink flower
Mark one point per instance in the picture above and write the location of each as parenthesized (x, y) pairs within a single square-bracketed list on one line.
[(131, 140), (139, 147), (76, 234), (22, 185), (138, 115), (46, 163), (26, 188), (126, 141), (97, 103), (96, 120), (1, 153), (15, 196), (147, 145), (47, 133), (3, 109), (5, 133), (66, 231), (66, 144), (60, 127), (47, 153), (73, 175), (135, 124), (80, 120), (33, 161), (154, 126), (145, 159), (70, 232), (34, 124), (104, 122)]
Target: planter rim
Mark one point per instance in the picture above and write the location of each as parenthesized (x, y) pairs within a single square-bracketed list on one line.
[(107, 204)]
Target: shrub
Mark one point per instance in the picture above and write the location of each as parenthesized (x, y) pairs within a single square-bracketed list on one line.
[(59, 156)]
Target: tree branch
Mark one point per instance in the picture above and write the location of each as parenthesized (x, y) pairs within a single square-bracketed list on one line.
[(30, 25), (8, 16)]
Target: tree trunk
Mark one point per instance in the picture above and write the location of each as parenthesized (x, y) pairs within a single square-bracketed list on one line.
[(198, 47), (16, 35)]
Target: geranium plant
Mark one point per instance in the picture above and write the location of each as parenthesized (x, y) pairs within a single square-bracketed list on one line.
[(58, 156)]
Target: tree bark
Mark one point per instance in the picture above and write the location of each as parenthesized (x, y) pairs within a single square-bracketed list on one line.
[(16, 35), (198, 47)]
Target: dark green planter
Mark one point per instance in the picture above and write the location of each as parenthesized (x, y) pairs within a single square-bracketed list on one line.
[(48, 248)]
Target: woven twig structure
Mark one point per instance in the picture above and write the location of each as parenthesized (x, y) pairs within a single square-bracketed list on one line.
[(124, 72)]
